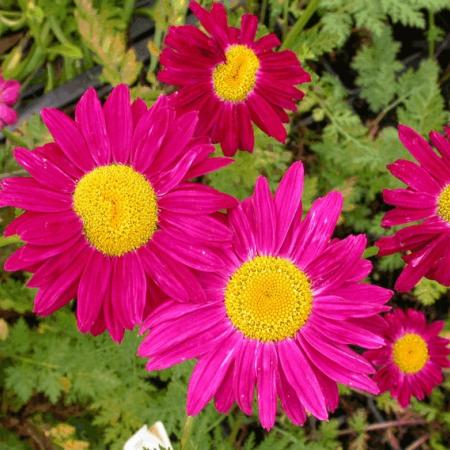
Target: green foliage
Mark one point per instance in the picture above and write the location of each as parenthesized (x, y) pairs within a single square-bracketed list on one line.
[(377, 67), (428, 291), (358, 423), (422, 104), (53, 48), (100, 34)]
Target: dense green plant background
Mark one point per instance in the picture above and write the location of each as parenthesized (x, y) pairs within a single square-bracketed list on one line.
[(375, 63)]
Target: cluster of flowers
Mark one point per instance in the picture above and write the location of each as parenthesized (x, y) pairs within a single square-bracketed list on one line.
[(264, 299)]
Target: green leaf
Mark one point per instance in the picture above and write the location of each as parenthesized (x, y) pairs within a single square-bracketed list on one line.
[(428, 291), (422, 104), (377, 67), (68, 50)]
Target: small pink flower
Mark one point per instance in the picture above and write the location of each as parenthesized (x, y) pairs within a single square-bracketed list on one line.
[(280, 316), (9, 94), (111, 217), (425, 203), (231, 78), (411, 362)]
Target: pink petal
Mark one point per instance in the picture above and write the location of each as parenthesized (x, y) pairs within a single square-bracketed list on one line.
[(414, 176), (173, 278), (8, 116), (265, 217), (249, 24), (336, 372), (340, 354), (209, 373), (317, 228), (301, 377), (288, 198), (289, 400), (424, 153), (204, 228), (224, 396), (247, 137), (265, 117), (245, 374), (399, 216), (48, 229), (119, 123), (172, 342), (267, 375), (208, 165), (25, 193), (93, 286), (69, 138), (344, 332), (200, 258), (91, 120), (173, 177), (149, 134), (62, 289), (196, 199), (419, 267), (179, 135), (44, 171), (409, 199), (244, 239)]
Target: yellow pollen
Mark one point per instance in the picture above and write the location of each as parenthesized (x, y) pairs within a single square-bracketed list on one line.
[(268, 298), (234, 79), (444, 204), (410, 353), (118, 208)]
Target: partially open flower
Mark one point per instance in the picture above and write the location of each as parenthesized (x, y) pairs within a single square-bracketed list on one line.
[(411, 362), (9, 94), (111, 218), (231, 78)]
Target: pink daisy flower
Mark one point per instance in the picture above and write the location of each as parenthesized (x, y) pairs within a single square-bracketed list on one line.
[(9, 94), (110, 216), (411, 362), (426, 204), (280, 316), (231, 78)]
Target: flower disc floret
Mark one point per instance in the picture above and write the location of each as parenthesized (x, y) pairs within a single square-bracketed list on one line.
[(410, 353), (118, 208), (268, 298), (235, 79), (444, 204)]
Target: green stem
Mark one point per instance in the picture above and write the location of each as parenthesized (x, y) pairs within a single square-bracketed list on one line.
[(262, 13), (289, 41), (10, 240), (16, 140), (236, 428), (34, 362), (431, 35), (187, 429)]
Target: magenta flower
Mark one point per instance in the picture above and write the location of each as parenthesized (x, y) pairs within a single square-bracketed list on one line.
[(411, 362), (9, 94), (231, 78), (280, 316), (110, 216), (426, 204)]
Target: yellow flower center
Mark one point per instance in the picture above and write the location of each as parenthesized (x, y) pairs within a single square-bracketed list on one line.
[(410, 353), (118, 208), (444, 204), (268, 298), (234, 79)]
